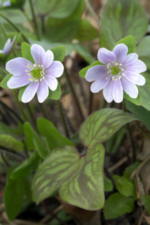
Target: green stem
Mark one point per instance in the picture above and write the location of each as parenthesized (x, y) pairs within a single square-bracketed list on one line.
[(74, 96), (34, 18), (63, 118), (15, 27)]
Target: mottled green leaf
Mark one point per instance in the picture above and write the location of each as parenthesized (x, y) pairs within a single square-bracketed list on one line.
[(54, 137), (101, 125), (57, 168), (55, 95), (124, 185), (86, 189), (122, 18), (118, 205), (79, 180)]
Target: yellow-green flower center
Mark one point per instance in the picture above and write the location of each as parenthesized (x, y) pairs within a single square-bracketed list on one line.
[(115, 70), (37, 72)]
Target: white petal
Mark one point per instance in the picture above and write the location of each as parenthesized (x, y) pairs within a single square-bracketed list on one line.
[(120, 51), (51, 82), (108, 92), (98, 85), (47, 59), (30, 92), (117, 91), (56, 69), (38, 53), (105, 56), (129, 88), (16, 82), (95, 73), (135, 78), (42, 92), (18, 66)]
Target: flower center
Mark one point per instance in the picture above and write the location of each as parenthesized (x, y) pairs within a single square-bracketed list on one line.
[(115, 70), (37, 72)]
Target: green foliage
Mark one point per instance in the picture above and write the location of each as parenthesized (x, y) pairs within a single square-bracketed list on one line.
[(26, 51), (66, 171), (3, 83), (10, 142), (118, 205), (56, 8), (17, 193), (108, 184), (126, 17), (144, 51), (55, 95), (141, 113), (101, 125), (146, 202), (66, 28), (130, 41), (124, 185), (59, 52), (54, 138), (86, 31)]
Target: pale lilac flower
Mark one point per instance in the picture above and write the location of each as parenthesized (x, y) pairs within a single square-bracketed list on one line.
[(7, 47), (120, 73), (5, 3), (39, 76)]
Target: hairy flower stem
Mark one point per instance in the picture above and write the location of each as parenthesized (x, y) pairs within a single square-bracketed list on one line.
[(34, 19), (75, 96), (61, 111), (15, 27)]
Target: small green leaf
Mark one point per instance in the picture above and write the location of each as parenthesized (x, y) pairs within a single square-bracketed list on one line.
[(85, 69), (108, 184), (26, 51), (130, 42), (101, 125), (3, 83), (59, 52), (146, 202), (17, 196), (55, 95), (118, 205), (20, 93), (10, 142), (54, 137), (124, 185), (86, 31)]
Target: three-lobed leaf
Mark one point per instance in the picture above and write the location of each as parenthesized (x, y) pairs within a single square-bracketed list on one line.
[(101, 125)]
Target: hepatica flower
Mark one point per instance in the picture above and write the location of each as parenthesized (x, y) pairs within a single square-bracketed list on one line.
[(39, 76), (120, 72)]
